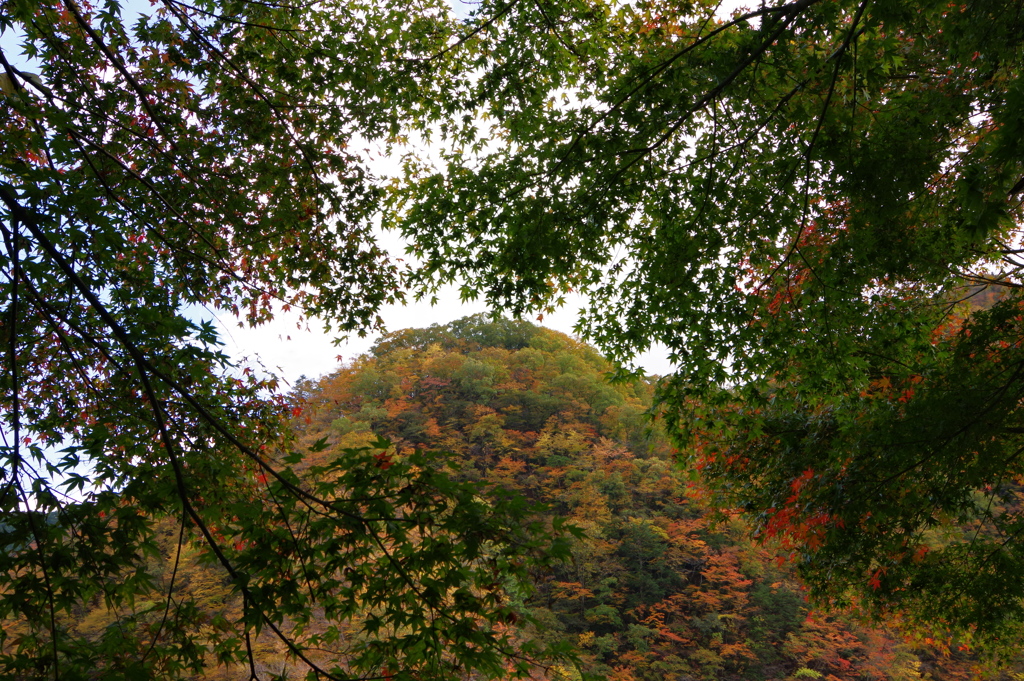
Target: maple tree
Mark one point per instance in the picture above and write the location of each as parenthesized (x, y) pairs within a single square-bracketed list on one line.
[(187, 155), (799, 200), (791, 198)]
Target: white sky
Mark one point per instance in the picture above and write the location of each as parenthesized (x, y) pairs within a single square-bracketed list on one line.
[(289, 351)]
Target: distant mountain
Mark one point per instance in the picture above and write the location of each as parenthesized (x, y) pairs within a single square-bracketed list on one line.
[(657, 588)]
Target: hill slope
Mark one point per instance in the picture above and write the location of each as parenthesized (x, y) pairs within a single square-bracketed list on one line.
[(654, 589)]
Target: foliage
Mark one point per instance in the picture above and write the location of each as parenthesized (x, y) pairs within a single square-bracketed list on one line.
[(364, 564), (655, 586), (187, 155), (794, 199)]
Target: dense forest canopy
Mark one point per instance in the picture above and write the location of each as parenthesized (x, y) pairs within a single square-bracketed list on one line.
[(800, 200), (656, 585)]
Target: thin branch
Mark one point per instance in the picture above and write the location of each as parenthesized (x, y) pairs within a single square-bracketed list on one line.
[(554, 29), (116, 63), (232, 20), (170, 589), (482, 27), (653, 73), (795, 245), (793, 10), (256, 89)]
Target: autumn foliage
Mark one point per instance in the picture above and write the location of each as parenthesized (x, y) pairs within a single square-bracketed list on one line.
[(657, 586)]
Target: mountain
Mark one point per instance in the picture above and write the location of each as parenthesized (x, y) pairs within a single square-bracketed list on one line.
[(649, 585), (656, 587)]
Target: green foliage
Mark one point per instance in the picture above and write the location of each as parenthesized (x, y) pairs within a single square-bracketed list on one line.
[(366, 564), (180, 156), (792, 198), (795, 199), (408, 568)]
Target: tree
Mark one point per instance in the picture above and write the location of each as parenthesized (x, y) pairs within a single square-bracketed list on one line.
[(657, 585), (798, 199), (199, 155)]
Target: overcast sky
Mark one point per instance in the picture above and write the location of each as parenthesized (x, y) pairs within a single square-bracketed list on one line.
[(290, 351)]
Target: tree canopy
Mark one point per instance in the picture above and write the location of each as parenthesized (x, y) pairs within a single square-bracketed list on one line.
[(156, 161), (801, 201)]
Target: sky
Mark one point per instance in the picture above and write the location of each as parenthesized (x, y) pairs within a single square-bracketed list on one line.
[(290, 349), (291, 352)]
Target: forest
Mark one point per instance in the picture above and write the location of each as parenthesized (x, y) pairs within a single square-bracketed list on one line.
[(656, 583), (814, 206)]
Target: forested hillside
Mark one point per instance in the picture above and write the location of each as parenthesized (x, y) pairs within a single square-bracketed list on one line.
[(657, 588), (650, 585)]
